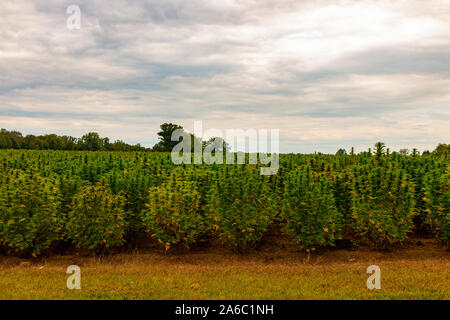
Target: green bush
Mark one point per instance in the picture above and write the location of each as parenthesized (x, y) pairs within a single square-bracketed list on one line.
[(310, 215), (437, 199), (240, 209), (96, 220), (343, 193), (383, 207), (380, 199), (173, 215), (29, 221)]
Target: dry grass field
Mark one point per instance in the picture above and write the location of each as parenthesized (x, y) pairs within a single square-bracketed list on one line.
[(418, 271)]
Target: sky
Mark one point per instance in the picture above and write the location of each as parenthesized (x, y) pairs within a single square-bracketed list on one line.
[(327, 74)]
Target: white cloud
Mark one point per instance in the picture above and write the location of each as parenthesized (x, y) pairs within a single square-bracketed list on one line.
[(325, 73)]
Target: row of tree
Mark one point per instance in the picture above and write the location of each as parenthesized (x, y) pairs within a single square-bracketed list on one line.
[(380, 148), (93, 142), (89, 142)]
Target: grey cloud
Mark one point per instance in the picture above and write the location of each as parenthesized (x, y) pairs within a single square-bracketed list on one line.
[(394, 60), (148, 61)]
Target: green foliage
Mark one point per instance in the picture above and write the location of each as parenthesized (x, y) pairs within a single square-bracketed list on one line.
[(442, 150), (379, 150), (373, 199), (29, 220), (216, 144), (90, 142), (240, 210), (96, 220), (309, 211), (165, 143), (173, 215), (442, 225), (437, 199), (343, 193), (383, 206)]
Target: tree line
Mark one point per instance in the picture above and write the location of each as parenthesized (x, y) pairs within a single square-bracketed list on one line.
[(93, 142), (88, 142)]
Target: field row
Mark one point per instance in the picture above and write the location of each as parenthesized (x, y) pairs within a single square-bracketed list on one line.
[(99, 200)]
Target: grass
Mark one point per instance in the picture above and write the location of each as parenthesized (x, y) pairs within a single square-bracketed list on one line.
[(413, 273)]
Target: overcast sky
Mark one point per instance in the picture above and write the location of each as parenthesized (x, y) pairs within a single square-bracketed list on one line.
[(328, 74)]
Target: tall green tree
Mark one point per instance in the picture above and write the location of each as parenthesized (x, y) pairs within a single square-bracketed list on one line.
[(441, 149), (217, 144), (91, 142), (165, 143)]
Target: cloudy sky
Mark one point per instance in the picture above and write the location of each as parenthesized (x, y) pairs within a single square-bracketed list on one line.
[(327, 74)]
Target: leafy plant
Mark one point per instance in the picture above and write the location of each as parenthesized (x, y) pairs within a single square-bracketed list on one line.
[(437, 199), (240, 210), (173, 214), (310, 215), (383, 207), (96, 220), (29, 220)]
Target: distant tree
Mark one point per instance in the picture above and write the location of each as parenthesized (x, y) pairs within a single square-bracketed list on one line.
[(106, 144), (414, 152), (219, 144), (5, 142), (426, 153), (441, 149), (32, 142), (119, 145), (15, 138), (52, 142), (165, 143), (91, 142), (341, 152), (404, 152), (68, 142), (196, 140)]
